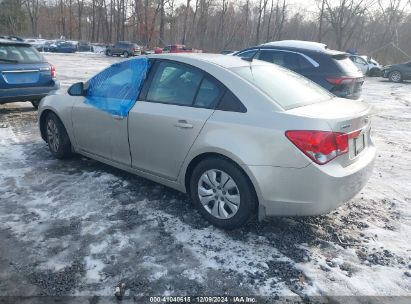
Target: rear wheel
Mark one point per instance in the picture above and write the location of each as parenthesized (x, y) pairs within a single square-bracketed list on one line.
[(57, 138), (126, 54), (395, 76), (222, 193), (108, 53)]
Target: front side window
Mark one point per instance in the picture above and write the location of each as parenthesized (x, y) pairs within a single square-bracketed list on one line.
[(174, 83), (286, 88), (115, 90)]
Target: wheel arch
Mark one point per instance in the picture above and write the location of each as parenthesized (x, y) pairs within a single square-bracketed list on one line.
[(42, 123), (202, 156)]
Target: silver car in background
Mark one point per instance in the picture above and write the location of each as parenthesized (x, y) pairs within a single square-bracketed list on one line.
[(239, 137)]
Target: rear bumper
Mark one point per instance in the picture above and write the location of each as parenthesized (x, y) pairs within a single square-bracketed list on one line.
[(26, 94), (311, 190)]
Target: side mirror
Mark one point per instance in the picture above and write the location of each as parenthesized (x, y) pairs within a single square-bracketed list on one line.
[(76, 89)]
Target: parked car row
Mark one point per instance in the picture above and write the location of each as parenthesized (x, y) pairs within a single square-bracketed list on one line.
[(60, 46)]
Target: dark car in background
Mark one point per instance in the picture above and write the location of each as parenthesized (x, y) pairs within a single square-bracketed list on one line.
[(397, 72), (84, 46), (333, 70), (65, 47), (24, 73), (124, 48)]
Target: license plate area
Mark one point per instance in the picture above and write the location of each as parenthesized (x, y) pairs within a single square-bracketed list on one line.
[(358, 144)]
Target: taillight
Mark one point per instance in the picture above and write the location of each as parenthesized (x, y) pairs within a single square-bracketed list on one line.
[(340, 80), (320, 146), (53, 71)]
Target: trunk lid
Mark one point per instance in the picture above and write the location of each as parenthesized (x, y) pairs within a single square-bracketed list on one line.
[(343, 116), (25, 75)]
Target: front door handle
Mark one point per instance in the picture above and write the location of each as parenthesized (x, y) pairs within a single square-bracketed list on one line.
[(118, 117), (183, 124)]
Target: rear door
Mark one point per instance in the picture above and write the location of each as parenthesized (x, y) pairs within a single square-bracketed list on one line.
[(173, 108), (22, 66)]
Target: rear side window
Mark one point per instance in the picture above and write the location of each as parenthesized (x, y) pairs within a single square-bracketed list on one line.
[(208, 94), (229, 102), (20, 54), (345, 64), (286, 88)]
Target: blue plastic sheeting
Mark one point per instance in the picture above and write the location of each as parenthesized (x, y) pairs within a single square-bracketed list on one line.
[(115, 90)]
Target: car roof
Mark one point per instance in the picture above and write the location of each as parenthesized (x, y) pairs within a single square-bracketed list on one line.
[(13, 42), (215, 59), (308, 45)]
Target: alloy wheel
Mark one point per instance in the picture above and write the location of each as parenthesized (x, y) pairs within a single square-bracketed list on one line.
[(395, 76), (218, 194), (53, 137)]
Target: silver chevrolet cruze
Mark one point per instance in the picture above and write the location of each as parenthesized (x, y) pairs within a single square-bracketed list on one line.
[(241, 137)]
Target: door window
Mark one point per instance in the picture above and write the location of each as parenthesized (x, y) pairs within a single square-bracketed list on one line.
[(174, 83), (285, 59), (209, 93), (115, 90)]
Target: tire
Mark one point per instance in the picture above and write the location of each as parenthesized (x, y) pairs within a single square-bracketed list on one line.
[(57, 138), (395, 76), (227, 201), (108, 53), (35, 104), (126, 54)]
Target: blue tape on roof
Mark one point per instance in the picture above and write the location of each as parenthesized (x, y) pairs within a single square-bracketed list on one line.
[(115, 90)]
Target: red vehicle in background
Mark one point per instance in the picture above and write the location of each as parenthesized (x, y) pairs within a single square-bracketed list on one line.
[(176, 48)]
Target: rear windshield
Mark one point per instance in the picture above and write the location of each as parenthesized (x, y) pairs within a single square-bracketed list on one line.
[(287, 88), (19, 54), (345, 64)]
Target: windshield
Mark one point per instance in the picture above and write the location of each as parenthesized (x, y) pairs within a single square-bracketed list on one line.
[(287, 88), (19, 54)]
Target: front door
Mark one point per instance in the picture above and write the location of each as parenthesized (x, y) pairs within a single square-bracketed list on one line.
[(98, 127), (164, 125)]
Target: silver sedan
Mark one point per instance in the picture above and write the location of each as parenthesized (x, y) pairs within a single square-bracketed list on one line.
[(241, 137)]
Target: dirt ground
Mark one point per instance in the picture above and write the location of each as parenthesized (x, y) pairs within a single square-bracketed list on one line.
[(78, 227)]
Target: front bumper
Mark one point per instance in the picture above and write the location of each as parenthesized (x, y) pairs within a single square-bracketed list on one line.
[(311, 190), (385, 73), (27, 93)]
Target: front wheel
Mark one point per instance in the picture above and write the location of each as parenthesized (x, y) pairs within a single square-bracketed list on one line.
[(57, 138), (35, 104), (395, 76), (108, 53), (126, 54), (222, 193)]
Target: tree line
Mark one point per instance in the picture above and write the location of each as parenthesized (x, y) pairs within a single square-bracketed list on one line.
[(380, 28)]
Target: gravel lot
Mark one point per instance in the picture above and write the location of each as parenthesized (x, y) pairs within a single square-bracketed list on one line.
[(78, 227)]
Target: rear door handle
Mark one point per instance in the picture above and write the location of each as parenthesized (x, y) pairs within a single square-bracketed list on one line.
[(183, 124)]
